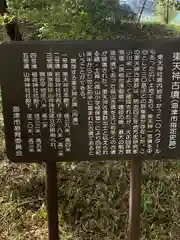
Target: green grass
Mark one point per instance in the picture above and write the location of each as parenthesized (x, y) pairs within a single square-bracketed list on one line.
[(93, 201)]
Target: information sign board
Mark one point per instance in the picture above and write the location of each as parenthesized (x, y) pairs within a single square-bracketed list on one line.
[(91, 100)]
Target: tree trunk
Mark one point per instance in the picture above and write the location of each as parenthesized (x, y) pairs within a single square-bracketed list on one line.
[(12, 28), (3, 7), (166, 18)]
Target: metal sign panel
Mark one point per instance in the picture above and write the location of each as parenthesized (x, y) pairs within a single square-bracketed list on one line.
[(91, 100)]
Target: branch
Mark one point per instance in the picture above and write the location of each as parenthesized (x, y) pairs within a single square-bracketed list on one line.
[(142, 10)]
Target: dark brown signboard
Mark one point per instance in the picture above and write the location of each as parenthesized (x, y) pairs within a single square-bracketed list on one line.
[(91, 100)]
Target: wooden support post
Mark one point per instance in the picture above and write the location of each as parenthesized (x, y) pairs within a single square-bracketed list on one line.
[(135, 199), (52, 200)]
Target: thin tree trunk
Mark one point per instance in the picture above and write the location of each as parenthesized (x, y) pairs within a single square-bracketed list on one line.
[(167, 12), (167, 18)]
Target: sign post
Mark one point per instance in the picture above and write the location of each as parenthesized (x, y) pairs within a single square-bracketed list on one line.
[(135, 200), (52, 200)]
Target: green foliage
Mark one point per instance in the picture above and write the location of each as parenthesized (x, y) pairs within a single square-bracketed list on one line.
[(167, 10), (72, 19)]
